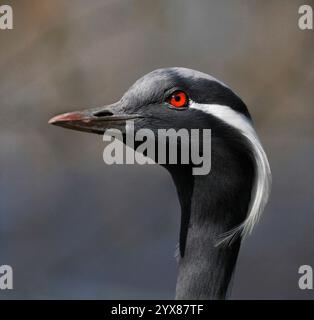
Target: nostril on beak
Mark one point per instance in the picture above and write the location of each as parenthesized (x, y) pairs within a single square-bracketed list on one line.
[(103, 113)]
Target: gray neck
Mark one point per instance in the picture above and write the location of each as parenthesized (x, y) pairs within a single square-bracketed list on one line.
[(216, 203), (204, 272)]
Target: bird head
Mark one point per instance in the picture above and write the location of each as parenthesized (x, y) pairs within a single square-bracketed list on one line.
[(183, 98), (164, 98), (175, 98)]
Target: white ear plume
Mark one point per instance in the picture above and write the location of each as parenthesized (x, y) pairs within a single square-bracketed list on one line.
[(262, 180)]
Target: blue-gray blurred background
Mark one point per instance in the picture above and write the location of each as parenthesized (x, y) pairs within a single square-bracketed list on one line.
[(73, 227)]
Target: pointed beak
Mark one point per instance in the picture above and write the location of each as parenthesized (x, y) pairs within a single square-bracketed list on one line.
[(96, 120)]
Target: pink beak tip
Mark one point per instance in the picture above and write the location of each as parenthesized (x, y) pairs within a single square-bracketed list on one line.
[(70, 116)]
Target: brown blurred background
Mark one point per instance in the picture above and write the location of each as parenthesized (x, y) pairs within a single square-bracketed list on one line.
[(73, 227)]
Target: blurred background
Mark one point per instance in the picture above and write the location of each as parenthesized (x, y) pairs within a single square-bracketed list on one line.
[(73, 227)]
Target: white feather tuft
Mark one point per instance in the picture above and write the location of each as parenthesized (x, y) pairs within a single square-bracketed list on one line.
[(262, 181)]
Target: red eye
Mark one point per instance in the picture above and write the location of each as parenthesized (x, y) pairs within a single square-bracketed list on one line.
[(178, 99)]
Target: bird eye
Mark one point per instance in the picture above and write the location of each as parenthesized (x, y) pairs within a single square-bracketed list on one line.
[(178, 99)]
